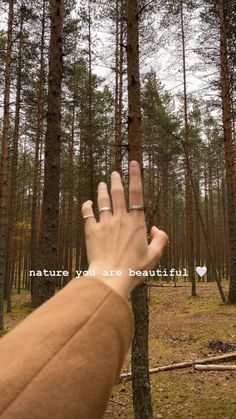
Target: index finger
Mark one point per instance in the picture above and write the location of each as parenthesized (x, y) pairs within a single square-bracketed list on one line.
[(135, 187)]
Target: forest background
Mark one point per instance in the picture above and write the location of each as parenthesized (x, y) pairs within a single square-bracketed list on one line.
[(66, 118)]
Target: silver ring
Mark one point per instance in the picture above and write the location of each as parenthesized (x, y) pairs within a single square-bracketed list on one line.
[(88, 216), (136, 207), (105, 209)]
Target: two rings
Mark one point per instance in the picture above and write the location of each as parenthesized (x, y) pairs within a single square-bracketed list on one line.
[(132, 207)]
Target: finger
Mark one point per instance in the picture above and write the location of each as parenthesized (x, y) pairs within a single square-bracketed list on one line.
[(104, 201), (135, 188), (157, 245), (88, 215), (117, 194)]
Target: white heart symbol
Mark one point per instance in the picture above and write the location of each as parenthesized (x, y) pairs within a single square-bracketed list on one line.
[(201, 270)]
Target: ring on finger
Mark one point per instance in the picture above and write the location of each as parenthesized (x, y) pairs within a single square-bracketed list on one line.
[(104, 209), (88, 216), (136, 207)]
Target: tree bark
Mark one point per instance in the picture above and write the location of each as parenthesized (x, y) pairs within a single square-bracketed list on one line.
[(140, 363), (90, 111), (4, 161), (37, 162), (14, 165), (189, 198), (230, 150), (47, 258), (119, 83)]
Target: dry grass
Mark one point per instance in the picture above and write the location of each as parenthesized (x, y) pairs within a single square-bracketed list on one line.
[(180, 330)]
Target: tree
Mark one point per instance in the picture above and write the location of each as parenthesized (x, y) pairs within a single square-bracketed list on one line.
[(187, 149), (219, 18), (229, 146), (38, 144), (47, 258), (140, 363), (14, 164), (4, 161)]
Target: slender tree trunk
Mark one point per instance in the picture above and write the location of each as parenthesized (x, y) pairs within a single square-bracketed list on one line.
[(37, 162), (90, 116), (70, 195), (140, 362), (230, 150), (14, 164), (189, 198), (197, 229), (206, 205), (80, 245), (119, 84), (4, 161), (47, 258), (211, 231), (220, 240), (226, 230), (117, 139), (165, 262)]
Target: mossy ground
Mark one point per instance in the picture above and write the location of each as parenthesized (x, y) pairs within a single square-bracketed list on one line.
[(181, 328)]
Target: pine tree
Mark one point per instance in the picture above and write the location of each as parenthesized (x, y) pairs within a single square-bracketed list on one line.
[(4, 160), (47, 258), (140, 363)]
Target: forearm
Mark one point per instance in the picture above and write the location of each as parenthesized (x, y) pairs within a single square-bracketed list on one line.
[(63, 360)]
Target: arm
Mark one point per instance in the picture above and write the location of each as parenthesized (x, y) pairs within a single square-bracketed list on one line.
[(63, 360)]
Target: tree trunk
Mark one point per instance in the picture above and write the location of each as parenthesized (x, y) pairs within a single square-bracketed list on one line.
[(37, 162), (140, 362), (90, 115), (47, 258), (69, 227), (4, 161), (229, 148), (189, 198), (14, 164), (165, 210), (119, 84), (80, 238)]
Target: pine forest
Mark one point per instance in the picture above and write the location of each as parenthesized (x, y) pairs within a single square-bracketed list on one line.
[(87, 86)]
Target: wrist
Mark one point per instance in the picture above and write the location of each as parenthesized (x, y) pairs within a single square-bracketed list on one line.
[(119, 281)]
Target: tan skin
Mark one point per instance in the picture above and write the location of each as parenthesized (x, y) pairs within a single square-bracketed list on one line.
[(119, 240)]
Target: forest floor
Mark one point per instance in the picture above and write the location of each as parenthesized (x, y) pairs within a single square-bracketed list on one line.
[(181, 329)]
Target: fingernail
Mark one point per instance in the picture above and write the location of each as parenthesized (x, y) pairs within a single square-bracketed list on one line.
[(101, 184), (115, 173), (134, 163)]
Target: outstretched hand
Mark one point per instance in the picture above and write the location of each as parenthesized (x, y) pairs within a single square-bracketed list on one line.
[(118, 242)]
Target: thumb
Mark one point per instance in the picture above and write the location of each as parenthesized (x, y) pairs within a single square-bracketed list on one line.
[(157, 245)]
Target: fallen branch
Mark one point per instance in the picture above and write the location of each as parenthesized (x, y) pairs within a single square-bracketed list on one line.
[(116, 402), (168, 286), (231, 355), (187, 364), (215, 367)]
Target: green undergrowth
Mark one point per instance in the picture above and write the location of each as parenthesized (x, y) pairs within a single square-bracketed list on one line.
[(199, 304), (188, 394), (21, 308), (155, 302)]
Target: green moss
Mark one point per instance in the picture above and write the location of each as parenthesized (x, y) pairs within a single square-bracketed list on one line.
[(22, 309), (187, 394), (199, 304), (155, 302)]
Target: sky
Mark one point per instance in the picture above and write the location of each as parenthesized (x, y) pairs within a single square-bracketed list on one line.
[(166, 59)]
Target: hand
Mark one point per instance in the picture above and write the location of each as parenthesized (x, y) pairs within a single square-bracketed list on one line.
[(119, 240)]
